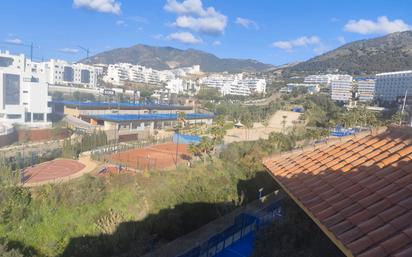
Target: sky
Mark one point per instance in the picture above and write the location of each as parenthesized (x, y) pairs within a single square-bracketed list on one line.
[(270, 31)]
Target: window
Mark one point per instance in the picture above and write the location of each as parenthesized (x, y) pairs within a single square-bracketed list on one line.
[(38, 116), (11, 89), (14, 116)]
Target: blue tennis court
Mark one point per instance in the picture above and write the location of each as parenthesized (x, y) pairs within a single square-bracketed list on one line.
[(242, 248)]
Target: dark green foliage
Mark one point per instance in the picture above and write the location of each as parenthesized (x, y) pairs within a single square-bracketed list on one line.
[(5, 251), (296, 235), (15, 203), (210, 94), (72, 148)]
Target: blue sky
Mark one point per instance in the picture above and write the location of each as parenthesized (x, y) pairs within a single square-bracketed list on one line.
[(275, 32)]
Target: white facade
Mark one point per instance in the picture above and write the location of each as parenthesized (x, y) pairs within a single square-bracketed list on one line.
[(23, 92), (391, 85), (65, 73), (312, 88), (183, 86), (341, 90), (118, 74), (366, 90), (235, 84), (326, 79)]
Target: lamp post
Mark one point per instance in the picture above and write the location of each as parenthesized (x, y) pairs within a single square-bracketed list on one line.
[(177, 143)]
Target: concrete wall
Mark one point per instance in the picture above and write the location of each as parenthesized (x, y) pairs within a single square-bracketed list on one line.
[(41, 134), (8, 139)]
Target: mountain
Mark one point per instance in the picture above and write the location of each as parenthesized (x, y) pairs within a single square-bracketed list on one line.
[(392, 52), (162, 58)]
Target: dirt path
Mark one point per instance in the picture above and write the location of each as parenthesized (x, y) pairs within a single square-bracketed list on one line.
[(259, 131)]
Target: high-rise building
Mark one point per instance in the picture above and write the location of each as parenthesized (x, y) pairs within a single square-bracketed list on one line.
[(23, 91), (65, 73), (366, 90), (326, 79), (341, 90), (392, 85), (235, 84)]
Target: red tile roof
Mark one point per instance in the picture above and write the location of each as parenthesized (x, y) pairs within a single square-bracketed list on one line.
[(359, 192)]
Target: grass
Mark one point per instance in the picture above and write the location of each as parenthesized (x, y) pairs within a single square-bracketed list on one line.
[(58, 213)]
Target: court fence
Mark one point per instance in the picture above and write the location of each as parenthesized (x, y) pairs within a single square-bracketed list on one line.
[(100, 153), (245, 224)]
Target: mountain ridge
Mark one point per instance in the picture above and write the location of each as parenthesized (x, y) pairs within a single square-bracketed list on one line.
[(392, 52), (167, 57)]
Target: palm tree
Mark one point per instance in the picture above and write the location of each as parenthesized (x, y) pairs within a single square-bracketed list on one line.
[(181, 118)]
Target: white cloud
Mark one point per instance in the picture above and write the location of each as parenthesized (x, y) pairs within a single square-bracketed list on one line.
[(302, 41), (334, 19), (69, 50), (192, 15), (184, 37), (341, 40), (246, 23), (105, 6), (214, 25), (381, 26), (216, 43), (14, 40), (121, 23), (139, 19)]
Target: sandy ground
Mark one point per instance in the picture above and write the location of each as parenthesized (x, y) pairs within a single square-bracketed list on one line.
[(259, 131)]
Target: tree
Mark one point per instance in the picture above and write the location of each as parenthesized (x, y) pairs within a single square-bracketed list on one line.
[(210, 94), (218, 130), (181, 119)]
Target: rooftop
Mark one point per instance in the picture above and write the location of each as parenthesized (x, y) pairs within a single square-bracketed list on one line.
[(359, 192), (147, 117), (121, 105)]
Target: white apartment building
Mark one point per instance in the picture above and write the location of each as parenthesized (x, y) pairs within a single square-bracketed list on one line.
[(118, 74), (58, 72), (183, 86), (312, 88), (392, 85), (235, 84), (341, 90), (23, 91), (65, 73), (326, 79), (366, 90)]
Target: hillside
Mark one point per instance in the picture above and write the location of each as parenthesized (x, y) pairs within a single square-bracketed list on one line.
[(392, 52), (162, 58)]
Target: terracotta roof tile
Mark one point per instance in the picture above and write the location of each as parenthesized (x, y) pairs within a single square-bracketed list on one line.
[(351, 210), (341, 227), (360, 190), (405, 151), (406, 252), (402, 221), (381, 233), (333, 220), (360, 245), (400, 195), (395, 243), (370, 224), (359, 217), (377, 251), (351, 235), (391, 213), (408, 232)]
